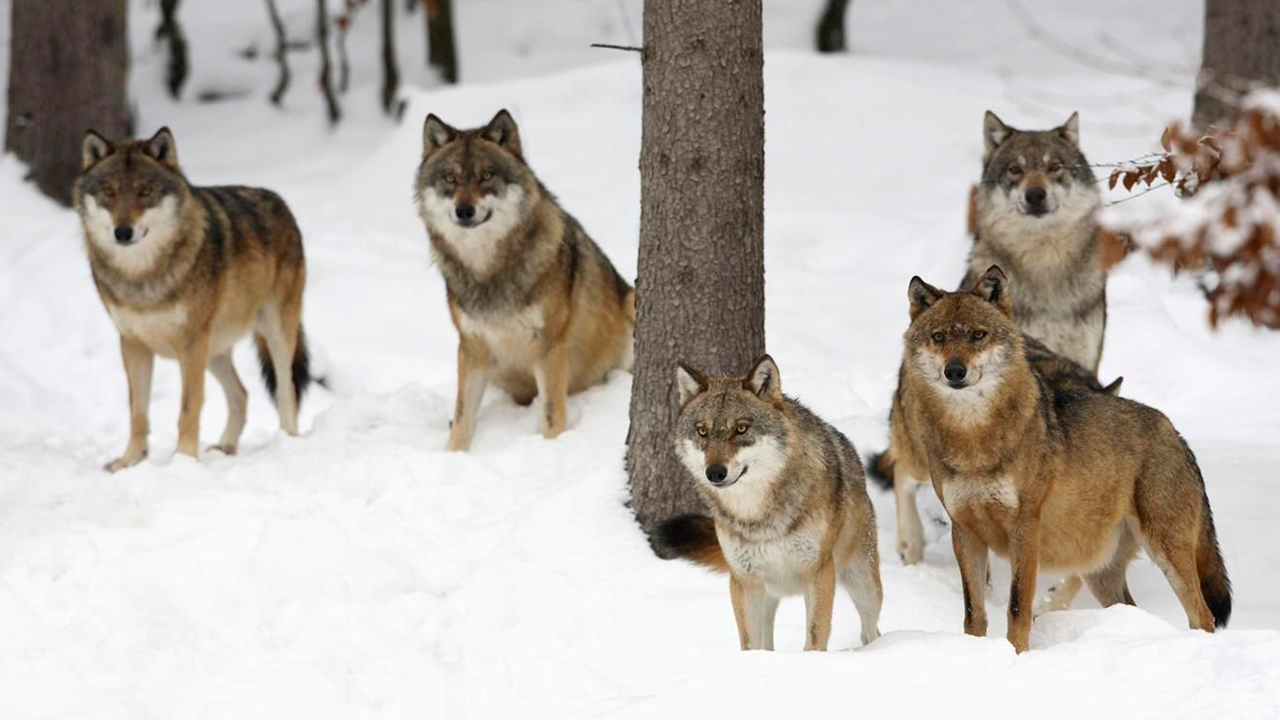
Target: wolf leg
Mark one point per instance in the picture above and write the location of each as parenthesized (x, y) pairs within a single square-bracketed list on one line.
[(1176, 558), (552, 374), (1024, 559), (138, 363), (767, 620), (819, 596), (971, 556), (193, 362), (1060, 596), (1108, 584), (279, 327), (475, 365), (910, 531), (750, 605), (237, 400), (861, 579)]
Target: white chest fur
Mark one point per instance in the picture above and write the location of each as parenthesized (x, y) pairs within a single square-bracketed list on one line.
[(510, 336), (161, 329), (959, 493), (780, 563)]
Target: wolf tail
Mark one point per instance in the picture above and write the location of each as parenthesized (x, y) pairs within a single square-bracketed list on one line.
[(692, 537), (880, 469), (300, 368), (1214, 583)]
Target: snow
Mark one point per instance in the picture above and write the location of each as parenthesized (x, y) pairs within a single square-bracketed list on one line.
[(359, 571)]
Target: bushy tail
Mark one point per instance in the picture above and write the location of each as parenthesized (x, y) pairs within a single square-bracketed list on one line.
[(1214, 583), (692, 537), (880, 469), (301, 368)]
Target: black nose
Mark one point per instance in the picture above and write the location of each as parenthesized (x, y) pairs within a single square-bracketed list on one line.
[(717, 473), (955, 371), (465, 211), (1036, 196), (124, 233)]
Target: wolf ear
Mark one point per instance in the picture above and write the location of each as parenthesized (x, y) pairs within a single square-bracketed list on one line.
[(692, 383), (1114, 387), (922, 296), (1071, 129), (994, 132), (162, 147), (436, 134), (502, 130), (993, 287), (94, 148), (764, 379)]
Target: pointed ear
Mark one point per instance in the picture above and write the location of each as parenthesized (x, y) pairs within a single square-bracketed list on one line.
[(922, 296), (1071, 129), (94, 148), (436, 134), (764, 379), (692, 383), (502, 130), (994, 132), (993, 287), (162, 147), (1114, 387)]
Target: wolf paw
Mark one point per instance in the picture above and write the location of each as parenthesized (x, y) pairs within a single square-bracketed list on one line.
[(224, 448), (125, 461), (911, 550)]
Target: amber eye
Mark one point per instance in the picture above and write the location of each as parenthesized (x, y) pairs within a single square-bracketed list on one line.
[(939, 337), (486, 176), (1015, 171), (702, 430), (109, 191), (742, 428), (1054, 166), (144, 192), (978, 334)]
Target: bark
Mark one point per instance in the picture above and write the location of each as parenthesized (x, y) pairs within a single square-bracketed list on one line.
[(1241, 51), (831, 27), (326, 67), (170, 30), (68, 63), (700, 291), (282, 60), (440, 51), (390, 71)]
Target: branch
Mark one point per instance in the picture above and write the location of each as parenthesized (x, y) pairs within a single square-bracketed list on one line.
[(607, 46), (277, 95)]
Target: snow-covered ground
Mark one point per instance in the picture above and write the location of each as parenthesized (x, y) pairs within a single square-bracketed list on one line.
[(360, 572)]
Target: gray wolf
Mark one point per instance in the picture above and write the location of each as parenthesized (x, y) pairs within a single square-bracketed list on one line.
[(186, 271), (540, 311), (1047, 477), (789, 508)]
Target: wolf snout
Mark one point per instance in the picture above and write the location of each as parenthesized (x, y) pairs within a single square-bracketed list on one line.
[(124, 234), (717, 473), (955, 372), (1036, 197), (465, 211)]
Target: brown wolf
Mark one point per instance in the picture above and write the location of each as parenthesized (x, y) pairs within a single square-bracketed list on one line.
[(184, 272), (540, 310), (789, 505), (1047, 476)]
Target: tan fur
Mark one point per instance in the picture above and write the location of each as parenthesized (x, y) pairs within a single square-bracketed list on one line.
[(1013, 484), (227, 262), (795, 519)]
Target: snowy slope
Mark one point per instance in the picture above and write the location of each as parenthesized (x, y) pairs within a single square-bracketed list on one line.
[(360, 572)]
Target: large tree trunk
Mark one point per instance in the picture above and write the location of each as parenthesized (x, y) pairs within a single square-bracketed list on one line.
[(440, 51), (700, 292), (1241, 50), (831, 27), (67, 69)]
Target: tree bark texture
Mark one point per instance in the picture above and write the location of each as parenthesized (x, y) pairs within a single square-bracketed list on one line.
[(441, 54), (1241, 50), (700, 291), (68, 62)]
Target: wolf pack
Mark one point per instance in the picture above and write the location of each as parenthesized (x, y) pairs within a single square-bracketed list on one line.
[(998, 405)]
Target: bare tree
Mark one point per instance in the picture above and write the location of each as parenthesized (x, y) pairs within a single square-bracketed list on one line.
[(390, 71), (67, 70), (326, 67), (282, 48), (1241, 51), (700, 291), (440, 49), (831, 27), (169, 30)]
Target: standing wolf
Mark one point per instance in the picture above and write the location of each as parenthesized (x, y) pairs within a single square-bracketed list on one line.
[(539, 309), (1048, 477), (1035, 217), (186, 271), (789, 502)]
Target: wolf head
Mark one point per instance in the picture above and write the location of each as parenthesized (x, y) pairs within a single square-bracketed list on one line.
[(130, 197), (473, 186), (1034, 177), (731, 433), (962, 343)]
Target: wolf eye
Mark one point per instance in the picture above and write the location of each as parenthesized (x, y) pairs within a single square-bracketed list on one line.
[(1015, 170), (939, 337), (978, 334), (144, 192), (741, 428), (1054, 166), (486, 175), (702, 430), (109, 191), (450, 178)]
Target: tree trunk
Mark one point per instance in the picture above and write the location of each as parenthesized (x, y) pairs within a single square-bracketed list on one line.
[(281, 56), (1241, 51), (440, 50), (326, 68), (67, 69), (700, 291), (176, 73), (831, 27), (390, 70)]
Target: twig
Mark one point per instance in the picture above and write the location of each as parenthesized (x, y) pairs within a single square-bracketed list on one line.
[(607, 46), (1138, 195)]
